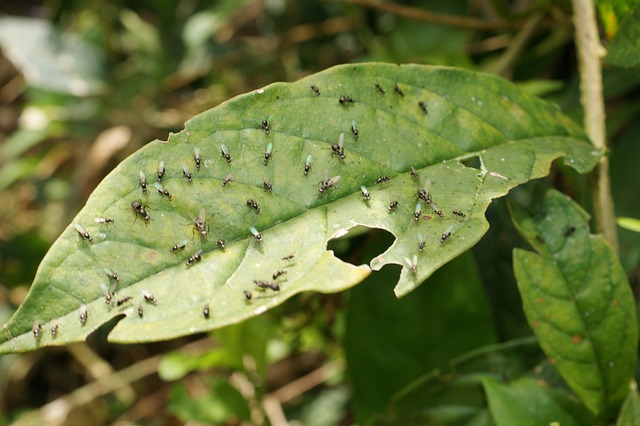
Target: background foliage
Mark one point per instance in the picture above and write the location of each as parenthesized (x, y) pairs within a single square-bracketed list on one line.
[(123, 73)]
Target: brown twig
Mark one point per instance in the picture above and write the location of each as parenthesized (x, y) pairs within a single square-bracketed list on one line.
[(247, 389), (296, 388), (98, 368), (56, 411), (306, 32), (433, 17), (272, 402), (590, 52), (504, 66)]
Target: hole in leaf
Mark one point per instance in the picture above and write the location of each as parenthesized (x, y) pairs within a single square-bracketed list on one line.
[(473, 162), (361, 244)]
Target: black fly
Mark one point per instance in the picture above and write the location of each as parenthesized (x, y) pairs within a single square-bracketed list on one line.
[(265, 127), (252, 203), (187, 173), (143, 181), (225, 153), (162, 190), (307, 165), (344, 100), (200, 223), (195, 257), (160, 171), (137, 206), (82, 232), (196, 157), (327, 184)]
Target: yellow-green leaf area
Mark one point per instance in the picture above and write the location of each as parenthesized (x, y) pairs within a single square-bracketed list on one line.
[(278, 172)]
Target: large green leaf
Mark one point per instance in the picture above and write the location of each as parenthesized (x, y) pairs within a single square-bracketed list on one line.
[(577, 300), (434, 119)]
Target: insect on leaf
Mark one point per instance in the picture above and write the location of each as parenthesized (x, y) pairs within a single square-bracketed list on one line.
[(480, 138)]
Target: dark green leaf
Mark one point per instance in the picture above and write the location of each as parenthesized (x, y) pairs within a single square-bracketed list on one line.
[(380, 330), (527, 402), (612, 12), (624, 49), (625, 187), (468, 117), (577, 300), (456, 398)]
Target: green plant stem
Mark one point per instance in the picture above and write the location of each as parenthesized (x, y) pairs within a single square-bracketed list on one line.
[(590, 51)]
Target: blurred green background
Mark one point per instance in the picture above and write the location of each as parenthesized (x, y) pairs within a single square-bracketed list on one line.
[(83, 84)]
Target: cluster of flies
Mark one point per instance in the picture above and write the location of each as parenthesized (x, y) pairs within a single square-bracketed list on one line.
[(273, 284), (200, 223), (111, 296), (423, 193)]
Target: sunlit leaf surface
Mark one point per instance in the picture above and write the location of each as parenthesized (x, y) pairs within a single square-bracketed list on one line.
[(471, 136)]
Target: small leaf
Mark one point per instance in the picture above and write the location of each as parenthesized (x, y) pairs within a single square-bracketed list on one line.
[(577, 300), (527, 402), (473, 136), (328, 408), (630, 411), (50, 59), (629, 223), (222, 404)]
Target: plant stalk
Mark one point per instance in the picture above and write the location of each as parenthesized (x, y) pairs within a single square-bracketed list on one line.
[(590, 52)]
